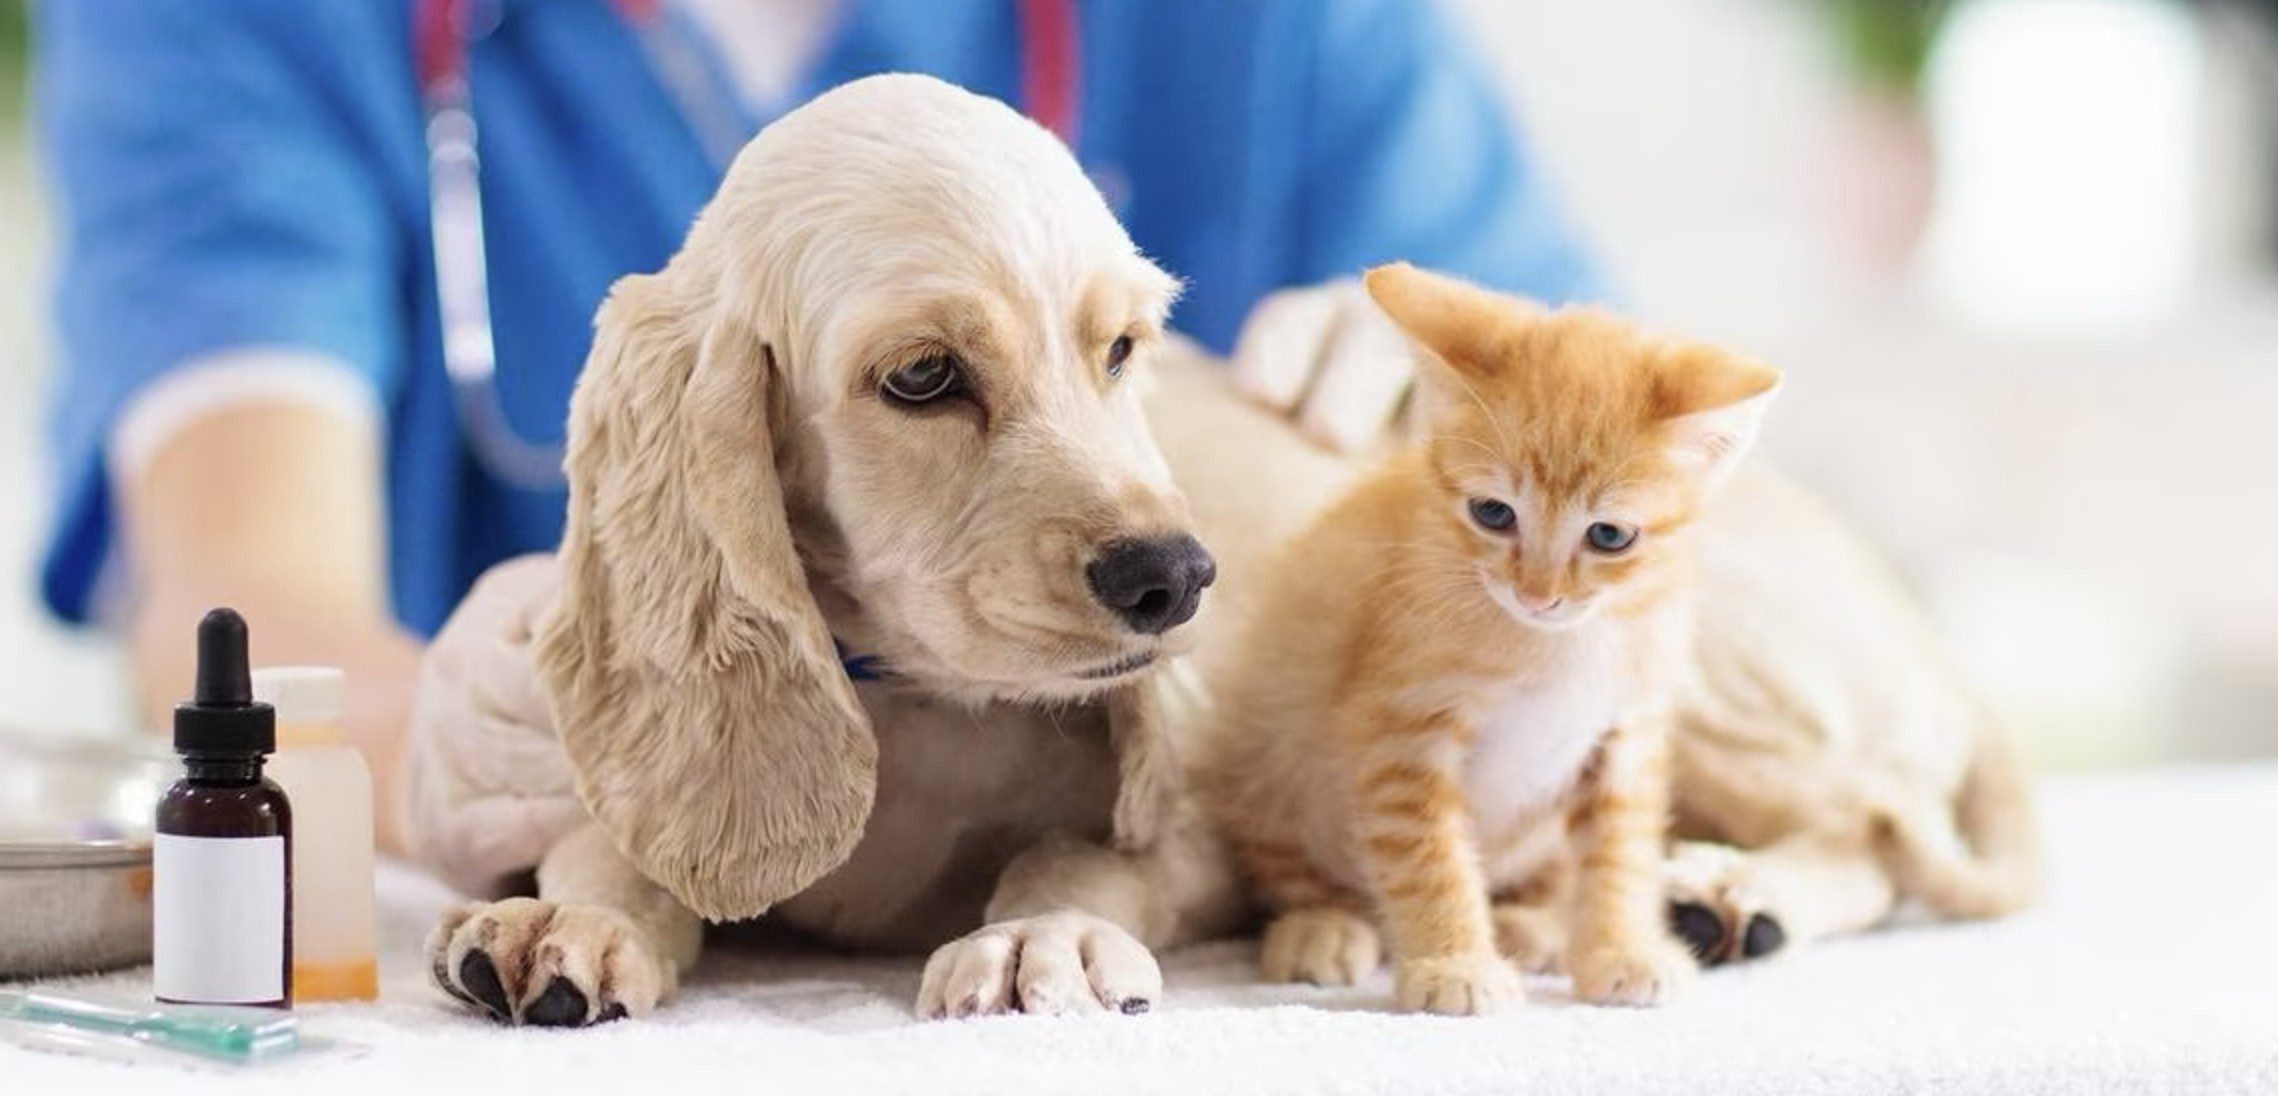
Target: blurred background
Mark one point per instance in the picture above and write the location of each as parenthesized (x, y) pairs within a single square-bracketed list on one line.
[(2018, 257)]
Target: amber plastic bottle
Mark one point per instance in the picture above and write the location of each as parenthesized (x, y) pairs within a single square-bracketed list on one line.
[(335, 935), (221, 899)]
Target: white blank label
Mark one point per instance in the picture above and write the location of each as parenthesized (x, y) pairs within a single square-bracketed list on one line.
[(218, 919)]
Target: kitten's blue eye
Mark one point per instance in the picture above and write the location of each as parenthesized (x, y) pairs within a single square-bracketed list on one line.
[(1607, 537), (1494, 515)]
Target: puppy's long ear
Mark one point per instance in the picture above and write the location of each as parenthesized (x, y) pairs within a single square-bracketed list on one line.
[(696, 688)]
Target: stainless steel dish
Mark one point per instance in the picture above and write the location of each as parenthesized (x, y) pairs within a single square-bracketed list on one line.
[(75, 819)]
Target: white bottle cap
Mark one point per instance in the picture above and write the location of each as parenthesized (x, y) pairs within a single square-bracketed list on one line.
[(304, 695)]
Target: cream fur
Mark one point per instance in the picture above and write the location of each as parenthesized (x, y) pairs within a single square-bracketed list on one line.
[(696, 684)]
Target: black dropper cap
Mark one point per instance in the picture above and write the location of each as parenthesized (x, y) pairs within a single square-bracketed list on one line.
[(223, 719)]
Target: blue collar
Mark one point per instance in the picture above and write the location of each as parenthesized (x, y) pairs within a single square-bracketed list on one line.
[(861, 667)]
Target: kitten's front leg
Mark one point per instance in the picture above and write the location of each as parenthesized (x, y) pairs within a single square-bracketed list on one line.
[(1622, 953), (1415, 846)]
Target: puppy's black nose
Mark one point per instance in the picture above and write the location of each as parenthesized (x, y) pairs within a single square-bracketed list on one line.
[(1155, 584)]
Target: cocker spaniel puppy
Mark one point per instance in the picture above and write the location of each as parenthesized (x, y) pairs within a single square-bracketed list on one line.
[(871, 574)]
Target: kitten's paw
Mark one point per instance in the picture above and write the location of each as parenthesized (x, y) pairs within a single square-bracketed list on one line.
[(1327, 947), (542, 964), (1049, 964), (1653, 974), (1716, 906), (1531, 936), (1458, 985)]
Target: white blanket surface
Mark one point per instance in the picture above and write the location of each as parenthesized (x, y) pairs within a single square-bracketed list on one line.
[(2151, 967)]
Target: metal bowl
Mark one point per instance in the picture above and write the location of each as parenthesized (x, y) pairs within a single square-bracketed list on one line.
[(75, 817)]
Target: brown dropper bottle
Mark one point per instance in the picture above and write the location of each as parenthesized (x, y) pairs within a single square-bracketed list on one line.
[(222, 864)]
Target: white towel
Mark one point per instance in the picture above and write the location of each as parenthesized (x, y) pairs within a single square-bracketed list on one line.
[(2152, 967)]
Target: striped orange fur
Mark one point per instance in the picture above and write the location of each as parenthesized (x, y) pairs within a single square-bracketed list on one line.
[(1435, 707)]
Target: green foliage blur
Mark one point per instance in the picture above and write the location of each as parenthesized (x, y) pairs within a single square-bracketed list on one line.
[(15, 48), (1886, 43)]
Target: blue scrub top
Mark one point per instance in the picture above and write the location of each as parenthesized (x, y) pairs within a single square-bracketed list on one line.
[(251, 173)]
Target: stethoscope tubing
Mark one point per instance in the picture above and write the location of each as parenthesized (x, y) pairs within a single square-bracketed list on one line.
[(441, 34)]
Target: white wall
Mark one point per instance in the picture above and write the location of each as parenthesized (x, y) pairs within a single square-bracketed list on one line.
[(1687, 135)]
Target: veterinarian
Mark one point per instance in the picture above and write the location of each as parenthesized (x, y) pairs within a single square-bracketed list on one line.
[(328, 270)]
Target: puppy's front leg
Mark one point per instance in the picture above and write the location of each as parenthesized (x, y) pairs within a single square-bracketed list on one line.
[(1072, 922), (599, 942)]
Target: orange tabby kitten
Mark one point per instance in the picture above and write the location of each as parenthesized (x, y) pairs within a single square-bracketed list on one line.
[(1452, 713)]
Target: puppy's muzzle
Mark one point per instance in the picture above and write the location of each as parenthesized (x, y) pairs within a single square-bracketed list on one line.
[(1153, 583)]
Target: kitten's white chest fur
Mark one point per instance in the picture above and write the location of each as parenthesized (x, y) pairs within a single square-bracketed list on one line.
[(1534, 738)]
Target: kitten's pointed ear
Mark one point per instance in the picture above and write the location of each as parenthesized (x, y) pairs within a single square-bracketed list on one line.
[(1460, 323), (1711, 404)]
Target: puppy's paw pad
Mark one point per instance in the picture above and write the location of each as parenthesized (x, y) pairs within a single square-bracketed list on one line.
[(1460, 985), (1701, 929), (1052, 964), (1764, 936), (1326, 947), (1651, 975), (478, 978), (560, 1005), (1716, 906), (526, 961)]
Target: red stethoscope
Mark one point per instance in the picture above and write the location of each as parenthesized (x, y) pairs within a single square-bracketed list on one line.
[(442, 33)]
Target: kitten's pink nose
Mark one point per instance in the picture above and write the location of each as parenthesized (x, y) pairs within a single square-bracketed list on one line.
[(1540, 606)]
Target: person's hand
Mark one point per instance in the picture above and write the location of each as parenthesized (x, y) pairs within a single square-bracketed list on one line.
[(488, 788), (1326, 356)]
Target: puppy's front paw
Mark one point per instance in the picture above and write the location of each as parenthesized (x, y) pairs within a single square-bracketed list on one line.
[(1327, 947), (1457, 985), (1716, 905), (526, 961), (1055, 963), (1650, 974)]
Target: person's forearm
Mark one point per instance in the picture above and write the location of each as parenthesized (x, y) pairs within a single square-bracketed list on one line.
[(274, 509)]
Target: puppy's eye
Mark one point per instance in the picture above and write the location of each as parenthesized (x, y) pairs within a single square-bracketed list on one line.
[(1118, 352), (1610, 538), (1494, 515), (925, 380)]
